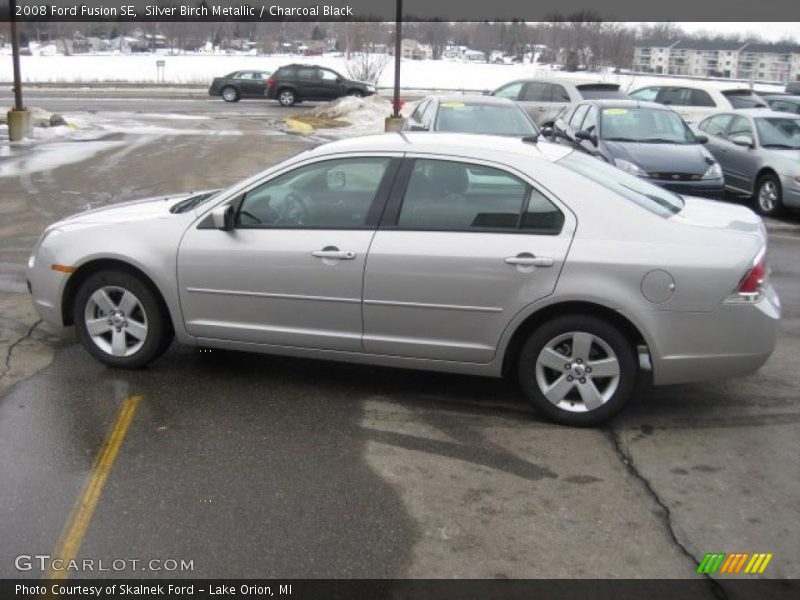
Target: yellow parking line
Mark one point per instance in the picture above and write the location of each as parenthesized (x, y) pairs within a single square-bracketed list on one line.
[(72, 536)]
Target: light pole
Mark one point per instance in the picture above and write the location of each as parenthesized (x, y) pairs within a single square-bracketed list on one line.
[(398, 47), (18, 120)]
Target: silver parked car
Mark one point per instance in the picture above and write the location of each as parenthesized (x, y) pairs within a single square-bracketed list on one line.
[(544, 99), (468, 254), (758, 151)]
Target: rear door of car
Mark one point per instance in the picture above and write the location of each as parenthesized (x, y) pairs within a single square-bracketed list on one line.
[(536, 99), (307, 84), (463, 246)]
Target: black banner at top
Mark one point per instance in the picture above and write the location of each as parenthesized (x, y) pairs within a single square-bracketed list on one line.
[(385, 10)]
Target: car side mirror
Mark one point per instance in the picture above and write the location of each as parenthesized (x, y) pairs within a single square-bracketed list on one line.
[(548, 132), (586, 135), (223, 217), (701, 139), (743, 140)]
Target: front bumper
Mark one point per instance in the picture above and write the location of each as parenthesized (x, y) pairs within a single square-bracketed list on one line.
[(791, 191), (735, 339)]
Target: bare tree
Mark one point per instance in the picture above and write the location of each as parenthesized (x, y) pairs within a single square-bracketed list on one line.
[(366, 66)]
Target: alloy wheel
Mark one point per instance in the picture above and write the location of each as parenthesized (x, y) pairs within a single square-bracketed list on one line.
[(577, 371), (116, 321), (768, 196)]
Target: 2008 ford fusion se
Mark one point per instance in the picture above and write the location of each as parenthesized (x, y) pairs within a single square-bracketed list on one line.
[(468, 254)]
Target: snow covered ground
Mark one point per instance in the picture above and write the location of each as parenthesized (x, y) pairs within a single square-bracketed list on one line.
[(202, 68)]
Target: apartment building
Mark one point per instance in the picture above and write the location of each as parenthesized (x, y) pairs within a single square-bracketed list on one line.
[(735, 60)]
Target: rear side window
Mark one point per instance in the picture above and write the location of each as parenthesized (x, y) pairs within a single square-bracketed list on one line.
[(675, 96), (285, 72), (700, 98), (783, 106), (716, 125), (596, 91), (306, 73), (536, 92), (455, 196), (559, 94), (744, 99)]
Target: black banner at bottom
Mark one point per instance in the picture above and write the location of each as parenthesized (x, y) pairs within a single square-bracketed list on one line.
[(404, 589)]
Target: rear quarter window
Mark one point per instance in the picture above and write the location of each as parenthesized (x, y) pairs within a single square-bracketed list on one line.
[(744, 99)]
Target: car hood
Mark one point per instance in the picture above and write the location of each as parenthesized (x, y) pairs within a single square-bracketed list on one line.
[(670, 158), (719, 215), (136, 210)]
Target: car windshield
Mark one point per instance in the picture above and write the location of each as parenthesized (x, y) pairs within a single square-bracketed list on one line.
[(650, 197), (779, 132), (650, 125), (462, 117)]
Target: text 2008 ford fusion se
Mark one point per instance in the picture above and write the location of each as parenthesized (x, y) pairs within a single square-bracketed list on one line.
[(468, 254)]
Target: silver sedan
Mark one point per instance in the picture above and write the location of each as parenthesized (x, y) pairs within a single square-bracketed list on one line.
[(469, 254)]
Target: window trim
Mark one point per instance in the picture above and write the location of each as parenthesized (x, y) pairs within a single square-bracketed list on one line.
[(391, 213), (374, 211)]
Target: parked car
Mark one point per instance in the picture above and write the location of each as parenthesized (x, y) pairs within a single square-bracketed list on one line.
[(295, 83), (645, 139), (240, 84), (543, 99), (758, 152), (696, 101), (447, 252), (471, 114), (783, 103)]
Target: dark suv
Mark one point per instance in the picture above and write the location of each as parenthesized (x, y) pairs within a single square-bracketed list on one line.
[(295, 83)]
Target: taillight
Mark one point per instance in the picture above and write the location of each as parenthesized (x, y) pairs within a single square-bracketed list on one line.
[(270, 82), (752, 284)]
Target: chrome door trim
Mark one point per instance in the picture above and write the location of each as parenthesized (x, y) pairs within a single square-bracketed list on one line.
[(195, 290), (435, 306)]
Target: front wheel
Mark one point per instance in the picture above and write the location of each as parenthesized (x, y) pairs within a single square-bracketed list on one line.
[(356, 93), (120, 320), (769, 197), (577, 370)]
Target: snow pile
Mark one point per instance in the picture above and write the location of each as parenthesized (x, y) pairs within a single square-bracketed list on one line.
[(365, 115)]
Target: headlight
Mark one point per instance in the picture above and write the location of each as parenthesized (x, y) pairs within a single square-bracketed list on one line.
[(713, 172), (629, 167), (370, 88)]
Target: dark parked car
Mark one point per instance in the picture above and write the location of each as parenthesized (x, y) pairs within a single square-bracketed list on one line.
[(645, 139), (240, 84), (471, 114), (783, 103), (295, 83), (544, 99)]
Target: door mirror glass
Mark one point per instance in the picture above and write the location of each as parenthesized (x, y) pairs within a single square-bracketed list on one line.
[(743, 140), (223, 217)]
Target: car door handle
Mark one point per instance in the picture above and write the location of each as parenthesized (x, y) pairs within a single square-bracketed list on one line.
[(334, 252), (525, 259)]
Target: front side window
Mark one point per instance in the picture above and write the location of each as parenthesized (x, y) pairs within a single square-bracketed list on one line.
[(651, 197), (455, 196), (740, 126), (327, 75), (510, 91), (590, 122), (577, 117), (244, 75), (333, 194)]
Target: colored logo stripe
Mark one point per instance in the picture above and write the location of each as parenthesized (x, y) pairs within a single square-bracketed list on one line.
[(722, 562)]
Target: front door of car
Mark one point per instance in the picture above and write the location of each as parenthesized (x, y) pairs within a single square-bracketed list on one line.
[(462, 248), (246, 83), (290, 272), (740, 161), (331, 84), (307, 83)]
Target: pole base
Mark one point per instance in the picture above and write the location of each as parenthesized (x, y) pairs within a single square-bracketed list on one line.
[(19, 124), (394, 123)]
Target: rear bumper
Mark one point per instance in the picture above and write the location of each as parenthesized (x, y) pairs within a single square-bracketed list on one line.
[(731, 341)]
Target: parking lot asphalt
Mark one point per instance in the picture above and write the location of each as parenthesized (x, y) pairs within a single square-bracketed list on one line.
[(252, 465)]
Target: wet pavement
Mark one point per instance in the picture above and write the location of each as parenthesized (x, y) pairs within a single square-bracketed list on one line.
[(252, 465)]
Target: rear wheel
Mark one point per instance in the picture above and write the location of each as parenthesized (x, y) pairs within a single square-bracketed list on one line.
[(287, 97), (577, 370), (230, 94), (769, 197), (119, 319)]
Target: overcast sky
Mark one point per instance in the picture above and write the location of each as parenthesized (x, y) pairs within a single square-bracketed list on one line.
[(769, 31)]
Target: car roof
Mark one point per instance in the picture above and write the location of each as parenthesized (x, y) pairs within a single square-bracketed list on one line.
[(754, 112), (625, 103), (565, 80), (482, 147), (471, 99), (708, 86)]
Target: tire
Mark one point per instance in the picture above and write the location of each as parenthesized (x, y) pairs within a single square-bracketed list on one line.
[(769, 196), (287, 97), (130, 327), (356, 93), (578, 395), (230, 94)]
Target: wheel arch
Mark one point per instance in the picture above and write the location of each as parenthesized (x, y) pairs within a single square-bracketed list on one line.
[(765, 170), (541, 316), (100, 264)]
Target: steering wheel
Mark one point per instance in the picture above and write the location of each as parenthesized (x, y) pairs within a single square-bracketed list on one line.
[(292, 211)]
